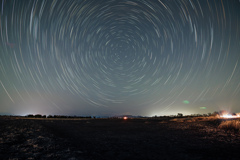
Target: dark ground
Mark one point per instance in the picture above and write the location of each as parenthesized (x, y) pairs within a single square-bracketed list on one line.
[(115, 139)]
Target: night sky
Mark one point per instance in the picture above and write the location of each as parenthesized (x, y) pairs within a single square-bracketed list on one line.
[(114, 57)]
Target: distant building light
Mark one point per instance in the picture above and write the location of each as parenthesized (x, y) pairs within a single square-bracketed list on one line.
[(230, 116)]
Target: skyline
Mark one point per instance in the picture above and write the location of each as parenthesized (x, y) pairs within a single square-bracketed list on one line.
[(114, 57)]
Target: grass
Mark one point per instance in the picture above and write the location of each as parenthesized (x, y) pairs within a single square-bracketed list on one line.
[(195, 119), (230, 125)]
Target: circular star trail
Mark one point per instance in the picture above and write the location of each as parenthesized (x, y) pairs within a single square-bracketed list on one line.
[(110, 56)]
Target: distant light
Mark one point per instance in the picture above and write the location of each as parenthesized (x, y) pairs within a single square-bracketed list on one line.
[(230, 116), (203, 107), (186, 102), (125, 118)]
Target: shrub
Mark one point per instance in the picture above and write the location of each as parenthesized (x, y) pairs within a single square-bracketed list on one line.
[(230, 125), (38, 116), (49, 116), (30, 115)]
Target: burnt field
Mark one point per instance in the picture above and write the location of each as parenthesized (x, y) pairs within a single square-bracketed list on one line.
[(116, 139)]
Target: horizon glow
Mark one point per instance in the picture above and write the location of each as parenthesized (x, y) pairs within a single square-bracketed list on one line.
[(111, 57)]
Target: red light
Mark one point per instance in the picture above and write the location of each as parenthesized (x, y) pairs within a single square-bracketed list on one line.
[(125, 118)]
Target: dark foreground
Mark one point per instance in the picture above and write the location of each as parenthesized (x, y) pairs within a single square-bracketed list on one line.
[(115, 139)]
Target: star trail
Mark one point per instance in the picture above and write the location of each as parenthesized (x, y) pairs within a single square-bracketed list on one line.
[(139, 57)]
